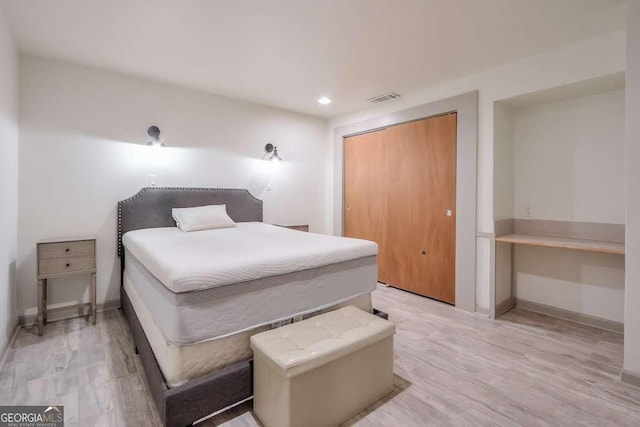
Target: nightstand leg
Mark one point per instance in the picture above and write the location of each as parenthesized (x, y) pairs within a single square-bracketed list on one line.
[(44, 308), (94, 305), (40, 307)]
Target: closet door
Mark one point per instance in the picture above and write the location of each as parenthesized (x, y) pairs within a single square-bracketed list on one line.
[(401, 182), (366, 211), (422, 196)]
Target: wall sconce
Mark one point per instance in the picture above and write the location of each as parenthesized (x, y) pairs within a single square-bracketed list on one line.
[(154, 137), (270, 148)]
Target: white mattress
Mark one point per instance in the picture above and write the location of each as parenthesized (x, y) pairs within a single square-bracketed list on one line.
[(185, 262), (217, 312), (182, 363)]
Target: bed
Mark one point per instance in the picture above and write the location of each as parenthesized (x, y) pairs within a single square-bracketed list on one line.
[(192, 300)]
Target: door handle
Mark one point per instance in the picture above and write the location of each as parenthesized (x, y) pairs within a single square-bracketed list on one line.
[(348, 207), (449, 213)]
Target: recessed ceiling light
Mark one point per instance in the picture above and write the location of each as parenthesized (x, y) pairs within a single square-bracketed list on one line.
[(324, 100)]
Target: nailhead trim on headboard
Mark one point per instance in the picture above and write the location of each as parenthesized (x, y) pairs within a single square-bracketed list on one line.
[(183, 189)]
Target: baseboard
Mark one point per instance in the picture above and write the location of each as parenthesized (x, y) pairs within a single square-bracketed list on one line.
[(7, 345), (630, 378), (505, 306), (573, 316), (62, 313)]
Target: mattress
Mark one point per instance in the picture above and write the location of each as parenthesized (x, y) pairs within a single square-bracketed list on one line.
[(220, 311), (182, 363), (185, 262)]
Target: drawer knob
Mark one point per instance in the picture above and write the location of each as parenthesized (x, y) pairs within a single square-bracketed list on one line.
[(68, 265), (66, 250)]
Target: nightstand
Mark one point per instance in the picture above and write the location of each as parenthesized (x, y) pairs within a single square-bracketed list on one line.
[(302, 227), (58, 258)]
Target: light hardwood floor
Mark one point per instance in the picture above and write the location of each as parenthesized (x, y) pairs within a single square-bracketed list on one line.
[(452, 368)]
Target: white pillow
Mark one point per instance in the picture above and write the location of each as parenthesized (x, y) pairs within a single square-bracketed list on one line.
[(202, 218)]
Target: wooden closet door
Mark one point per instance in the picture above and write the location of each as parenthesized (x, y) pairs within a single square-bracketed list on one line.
[(410, 171), (365, 193), (422, 190)]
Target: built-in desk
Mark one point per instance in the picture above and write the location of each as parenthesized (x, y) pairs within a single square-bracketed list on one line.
[(607, 239), (561, 242)]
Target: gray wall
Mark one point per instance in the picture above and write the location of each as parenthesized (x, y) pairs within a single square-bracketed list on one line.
[(632, 287), (8, 180)]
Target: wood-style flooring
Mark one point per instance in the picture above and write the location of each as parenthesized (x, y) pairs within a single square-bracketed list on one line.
[(452, 369)]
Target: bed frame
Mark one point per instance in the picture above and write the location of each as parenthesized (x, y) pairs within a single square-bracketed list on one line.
[(185, 404)]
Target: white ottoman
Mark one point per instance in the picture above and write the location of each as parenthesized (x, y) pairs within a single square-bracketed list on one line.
[(323, 370)]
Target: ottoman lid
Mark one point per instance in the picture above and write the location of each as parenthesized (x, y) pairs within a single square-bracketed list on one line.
[(302, 346)]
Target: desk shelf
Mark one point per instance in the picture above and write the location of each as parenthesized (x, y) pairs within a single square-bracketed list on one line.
[(560, 242)]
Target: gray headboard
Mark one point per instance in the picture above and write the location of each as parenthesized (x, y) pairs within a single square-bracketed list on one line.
[(151, 207)]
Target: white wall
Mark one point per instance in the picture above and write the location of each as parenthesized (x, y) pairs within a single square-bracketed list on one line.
[(82, 149), (632, 293), (8, 180), (503, 196), (583, 282), (502, 162), (581, 61), (569, 159)]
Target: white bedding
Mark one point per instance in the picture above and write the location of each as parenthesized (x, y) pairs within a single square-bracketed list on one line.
[(181, 363), (185, 262), (222, 311)]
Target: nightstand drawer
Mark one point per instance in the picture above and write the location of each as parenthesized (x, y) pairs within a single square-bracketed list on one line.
[(61, 266), (80, 248)]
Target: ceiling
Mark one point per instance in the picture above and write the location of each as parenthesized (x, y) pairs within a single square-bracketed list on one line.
[(288, 53)]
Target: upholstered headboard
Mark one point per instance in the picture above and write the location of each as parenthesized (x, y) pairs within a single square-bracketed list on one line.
[(151, 207)]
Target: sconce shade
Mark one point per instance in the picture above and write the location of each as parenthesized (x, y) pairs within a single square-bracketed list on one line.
[(270, 148), (154, 137)]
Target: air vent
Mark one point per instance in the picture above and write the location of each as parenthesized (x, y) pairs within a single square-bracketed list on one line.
[(384, 98)]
